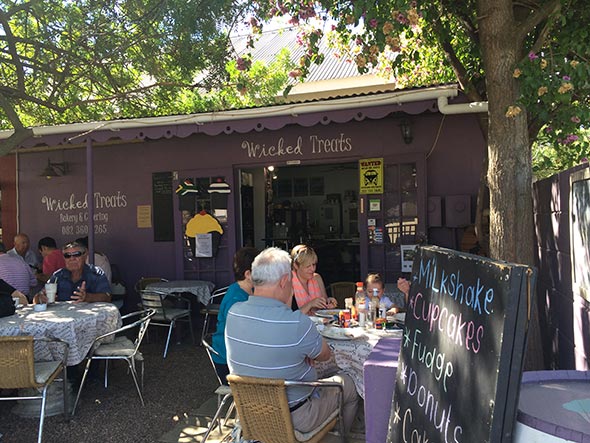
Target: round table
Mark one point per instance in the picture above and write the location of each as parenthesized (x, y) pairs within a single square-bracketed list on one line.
[(199, 288), (78, 324)]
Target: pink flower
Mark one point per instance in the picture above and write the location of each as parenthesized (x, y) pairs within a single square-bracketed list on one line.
[(533, 56), (548, 129), (575, 119), (569, 139), (373, 23), (566, 78)]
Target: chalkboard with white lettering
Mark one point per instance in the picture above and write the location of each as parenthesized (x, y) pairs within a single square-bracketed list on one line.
[(459, 370), (162, 195)]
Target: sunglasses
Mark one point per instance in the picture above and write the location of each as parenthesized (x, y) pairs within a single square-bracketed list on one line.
[(73, 254)]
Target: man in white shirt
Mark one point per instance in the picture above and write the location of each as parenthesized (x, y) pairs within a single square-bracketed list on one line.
[(23, 251), (100, 260)]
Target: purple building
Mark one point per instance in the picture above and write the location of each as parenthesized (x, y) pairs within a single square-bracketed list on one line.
[(357, 177)]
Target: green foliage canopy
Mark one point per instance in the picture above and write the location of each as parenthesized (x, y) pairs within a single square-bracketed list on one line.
[(68, 61), (428, 42)]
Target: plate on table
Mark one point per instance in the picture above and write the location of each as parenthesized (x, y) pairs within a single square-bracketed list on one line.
[(318, 320), (342, 333), (328, 313)]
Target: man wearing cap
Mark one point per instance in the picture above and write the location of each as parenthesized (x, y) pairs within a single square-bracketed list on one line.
[(78, 281)]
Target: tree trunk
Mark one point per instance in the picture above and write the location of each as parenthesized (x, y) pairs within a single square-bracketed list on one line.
[(509, 154)]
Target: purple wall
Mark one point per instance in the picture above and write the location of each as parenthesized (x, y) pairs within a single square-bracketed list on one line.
[(123, 175)]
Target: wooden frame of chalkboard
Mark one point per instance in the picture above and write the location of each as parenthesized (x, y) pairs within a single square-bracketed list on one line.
[(459, 370)]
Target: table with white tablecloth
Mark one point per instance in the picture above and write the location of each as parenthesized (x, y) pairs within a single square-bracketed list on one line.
[(199, 288), (78, 324), (349, 355)]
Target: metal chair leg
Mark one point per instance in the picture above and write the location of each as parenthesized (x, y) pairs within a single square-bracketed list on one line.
[(190, 325), (216, 418), (106, 372), (168, 339), (134, 375), (81, 386), (66, 393), (205, 326), (42, 417)]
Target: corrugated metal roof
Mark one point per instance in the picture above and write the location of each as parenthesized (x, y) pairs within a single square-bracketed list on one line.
[(271, 42)]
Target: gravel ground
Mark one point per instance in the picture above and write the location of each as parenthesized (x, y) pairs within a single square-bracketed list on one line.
[(173, 387)]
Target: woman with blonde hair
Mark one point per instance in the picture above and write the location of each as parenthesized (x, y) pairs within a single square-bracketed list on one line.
[(308, 287)]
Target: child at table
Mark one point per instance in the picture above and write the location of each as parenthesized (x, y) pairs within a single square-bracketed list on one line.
[(375, 282)]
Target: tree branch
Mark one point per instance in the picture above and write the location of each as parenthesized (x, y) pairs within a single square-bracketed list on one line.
[(534, 19)]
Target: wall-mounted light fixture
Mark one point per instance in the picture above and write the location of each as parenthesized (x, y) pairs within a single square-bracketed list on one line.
[(55, 169), (405, 127), (272, 172)]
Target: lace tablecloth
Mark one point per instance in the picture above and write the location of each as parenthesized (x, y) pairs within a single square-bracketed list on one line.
[(350, 355), (78, 324), (200, 288)]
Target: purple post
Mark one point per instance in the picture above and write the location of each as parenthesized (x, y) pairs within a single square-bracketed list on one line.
[(90, 192)]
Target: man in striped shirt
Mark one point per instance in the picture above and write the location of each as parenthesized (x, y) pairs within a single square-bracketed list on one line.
[(16, 273), (265, 338)]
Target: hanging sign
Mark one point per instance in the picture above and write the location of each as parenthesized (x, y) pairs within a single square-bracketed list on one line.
[(371, 176)]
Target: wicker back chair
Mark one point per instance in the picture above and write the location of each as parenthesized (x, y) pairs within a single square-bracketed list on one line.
[(20, 371), (263, 410), (341, 290)]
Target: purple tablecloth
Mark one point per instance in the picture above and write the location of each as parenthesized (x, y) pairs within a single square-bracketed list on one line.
[(379, 379)]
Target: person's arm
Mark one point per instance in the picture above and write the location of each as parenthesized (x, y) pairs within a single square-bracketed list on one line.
[(331, 302), (404, 286), (22, 298), (32, 278), (82, 295), (5, 288), (313, 305), (325, 353)]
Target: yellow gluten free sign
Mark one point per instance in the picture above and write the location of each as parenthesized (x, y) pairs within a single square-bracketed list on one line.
[(371, 176)]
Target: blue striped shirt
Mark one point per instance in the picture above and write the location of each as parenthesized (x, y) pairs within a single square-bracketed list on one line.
[(265, 338), (17, 273)]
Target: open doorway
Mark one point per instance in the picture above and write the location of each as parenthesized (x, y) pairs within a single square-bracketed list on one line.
[(316, 205)]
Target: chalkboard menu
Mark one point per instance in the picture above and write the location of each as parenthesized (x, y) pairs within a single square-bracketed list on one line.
[(162, 195), (458, 375)]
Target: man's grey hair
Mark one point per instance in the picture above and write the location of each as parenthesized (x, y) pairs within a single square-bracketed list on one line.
[(74, 244), (270, 266)]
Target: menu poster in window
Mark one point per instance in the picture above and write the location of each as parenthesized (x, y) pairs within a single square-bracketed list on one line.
[(458, 374), (407, 252), (162, 195)]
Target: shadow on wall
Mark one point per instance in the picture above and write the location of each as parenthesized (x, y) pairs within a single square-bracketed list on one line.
[(563, 304)]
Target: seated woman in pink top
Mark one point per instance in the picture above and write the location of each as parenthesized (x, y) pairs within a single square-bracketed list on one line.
[(308, 286)]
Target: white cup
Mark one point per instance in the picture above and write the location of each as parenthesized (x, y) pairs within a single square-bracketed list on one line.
[(40, 307), (50, 291)]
